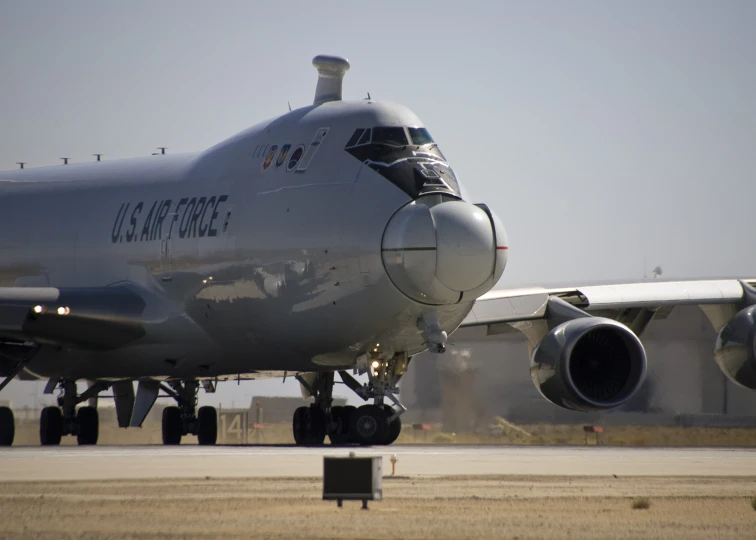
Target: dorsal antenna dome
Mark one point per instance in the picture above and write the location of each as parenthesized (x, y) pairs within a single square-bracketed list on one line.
[(331, 70)]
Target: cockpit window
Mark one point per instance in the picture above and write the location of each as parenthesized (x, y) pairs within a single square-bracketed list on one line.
[(392, 136), (408, 157), (420, 136), (355, 138), (365, 137), (359, 137)]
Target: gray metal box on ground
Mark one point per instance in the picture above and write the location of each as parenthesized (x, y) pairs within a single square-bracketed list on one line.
[(353, 478)]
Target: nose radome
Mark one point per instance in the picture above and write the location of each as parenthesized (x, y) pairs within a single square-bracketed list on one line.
[(464, 245), (444, 253)]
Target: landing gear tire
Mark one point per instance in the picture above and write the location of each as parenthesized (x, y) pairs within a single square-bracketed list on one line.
[(299, 425), (207, 426), (172, 428), (368, 425), (394, 427), (50, 426), (316, 426), (88, 422), (341, 418), (7, 426), (309, 426)]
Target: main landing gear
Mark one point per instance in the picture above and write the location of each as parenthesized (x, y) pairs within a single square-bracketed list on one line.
[(15, 356), (186, 418), (376, 424), (66, 419)]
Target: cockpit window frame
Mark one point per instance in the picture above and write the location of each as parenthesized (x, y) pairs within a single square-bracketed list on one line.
[(356, 136), (366, 137)]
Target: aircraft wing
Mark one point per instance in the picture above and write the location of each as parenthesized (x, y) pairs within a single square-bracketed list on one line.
[(89, 317), (623, 302)]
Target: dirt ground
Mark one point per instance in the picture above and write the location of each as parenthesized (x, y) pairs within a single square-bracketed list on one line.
[(439, 508), (27, 434)]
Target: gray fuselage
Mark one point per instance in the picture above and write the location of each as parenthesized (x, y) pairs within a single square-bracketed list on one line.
[(250, 261)]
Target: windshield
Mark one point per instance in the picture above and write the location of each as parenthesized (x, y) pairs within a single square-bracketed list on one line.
[(420, 136), (392, 136)]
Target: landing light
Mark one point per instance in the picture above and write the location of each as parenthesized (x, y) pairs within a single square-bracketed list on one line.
[(62, 310), (38, 309), (376, 364)]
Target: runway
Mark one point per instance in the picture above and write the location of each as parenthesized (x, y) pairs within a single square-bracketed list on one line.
[(119, 462)]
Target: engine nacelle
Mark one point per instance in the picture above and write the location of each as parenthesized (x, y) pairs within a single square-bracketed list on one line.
[(735, 351), (588, 364)]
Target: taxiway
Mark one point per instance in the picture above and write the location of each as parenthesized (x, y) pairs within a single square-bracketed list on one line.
[(118, 462)]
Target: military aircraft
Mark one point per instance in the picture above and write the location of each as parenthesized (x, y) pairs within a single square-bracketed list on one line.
[(331, 240)]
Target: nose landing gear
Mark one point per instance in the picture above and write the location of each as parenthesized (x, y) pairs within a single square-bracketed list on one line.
[(370, 424)]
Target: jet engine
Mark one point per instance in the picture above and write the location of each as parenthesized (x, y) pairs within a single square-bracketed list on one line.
[(588, 364), (735, 351)]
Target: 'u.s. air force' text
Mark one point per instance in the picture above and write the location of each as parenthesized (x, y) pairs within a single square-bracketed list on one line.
[(194, 217)]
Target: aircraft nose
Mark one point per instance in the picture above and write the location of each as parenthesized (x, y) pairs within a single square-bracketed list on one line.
[(444, 253)]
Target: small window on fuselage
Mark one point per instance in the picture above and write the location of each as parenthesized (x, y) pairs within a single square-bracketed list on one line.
[(391, 136), (420, 136)]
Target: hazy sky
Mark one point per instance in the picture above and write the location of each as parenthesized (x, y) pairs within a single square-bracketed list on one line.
[(600, 132)]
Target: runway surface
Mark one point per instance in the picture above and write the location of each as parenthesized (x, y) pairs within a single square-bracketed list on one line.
[(119, 462)]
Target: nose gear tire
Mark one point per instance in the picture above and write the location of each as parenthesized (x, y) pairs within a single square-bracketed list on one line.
[(368, 425), (316, 426), (341, 434), (395, 426), (299, 425)]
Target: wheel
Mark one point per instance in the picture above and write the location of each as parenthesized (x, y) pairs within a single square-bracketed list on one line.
[(7, 426), (369, 425), (207, 426), (348, 411), (299, 425), (50, 426), (172, 426), (341, 433), (88, 422), (316, 426), (394, 427)]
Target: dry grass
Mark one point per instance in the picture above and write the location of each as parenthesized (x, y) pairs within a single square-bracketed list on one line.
[(641, 503), (452, 508), (753, 503)]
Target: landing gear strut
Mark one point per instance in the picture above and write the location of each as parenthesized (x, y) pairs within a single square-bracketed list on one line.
[(376, 424), (186, 418), (19, 354), (66, 419)]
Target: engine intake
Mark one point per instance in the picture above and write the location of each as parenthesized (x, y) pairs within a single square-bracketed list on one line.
[(735, 351), (588, 364)]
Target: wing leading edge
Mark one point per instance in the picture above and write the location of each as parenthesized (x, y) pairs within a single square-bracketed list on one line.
[(515, 305)]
